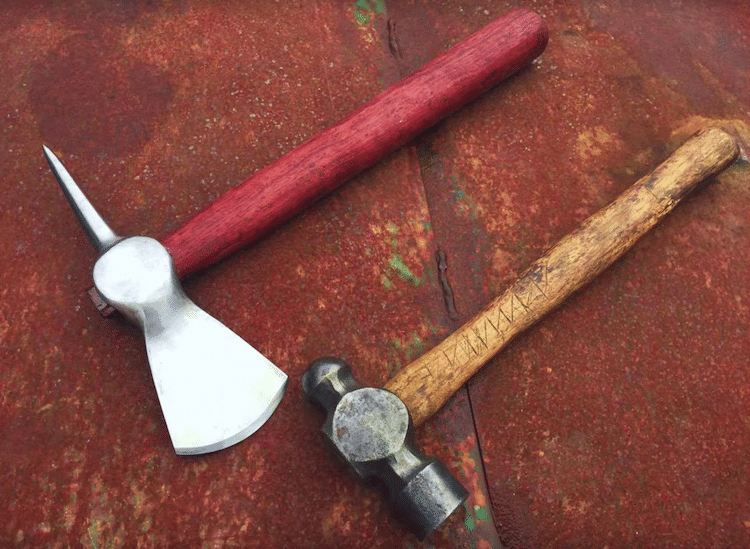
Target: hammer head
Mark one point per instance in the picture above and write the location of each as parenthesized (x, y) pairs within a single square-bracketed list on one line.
[(371, 429)]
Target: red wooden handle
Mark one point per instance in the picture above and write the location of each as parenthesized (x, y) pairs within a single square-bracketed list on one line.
[(280, 190)]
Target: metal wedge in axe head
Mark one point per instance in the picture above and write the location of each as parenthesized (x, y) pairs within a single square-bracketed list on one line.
[(371, 428), (214, 388)]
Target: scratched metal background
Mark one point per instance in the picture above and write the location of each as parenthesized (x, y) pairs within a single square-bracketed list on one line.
[(622, 420)]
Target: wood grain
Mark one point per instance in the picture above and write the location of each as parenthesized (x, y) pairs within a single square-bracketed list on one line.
[(403, 111), (426, 384)]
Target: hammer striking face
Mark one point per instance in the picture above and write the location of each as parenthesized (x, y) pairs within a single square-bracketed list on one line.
[(371, 429), (214, 388)]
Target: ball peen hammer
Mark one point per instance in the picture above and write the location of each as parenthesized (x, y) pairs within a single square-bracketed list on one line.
[(406, 109), (370, 427)]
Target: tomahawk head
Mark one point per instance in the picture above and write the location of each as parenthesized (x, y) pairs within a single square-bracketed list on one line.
[(214, 388)]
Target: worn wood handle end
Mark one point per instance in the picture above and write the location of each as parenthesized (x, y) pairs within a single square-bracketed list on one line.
[(426, 384)]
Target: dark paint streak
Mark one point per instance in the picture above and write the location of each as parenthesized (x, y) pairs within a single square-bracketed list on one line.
[(393, 45), (445, 285)]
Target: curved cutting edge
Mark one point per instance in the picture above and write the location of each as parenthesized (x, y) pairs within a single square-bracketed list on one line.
[(214, 388)]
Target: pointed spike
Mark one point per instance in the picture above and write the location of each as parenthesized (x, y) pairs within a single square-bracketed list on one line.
[(99, 233)]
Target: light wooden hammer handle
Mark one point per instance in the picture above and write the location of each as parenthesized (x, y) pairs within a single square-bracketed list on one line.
[(426, 384)]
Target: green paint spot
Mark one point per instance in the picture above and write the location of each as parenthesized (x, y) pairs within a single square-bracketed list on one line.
[(361, 18), (458, 194), (387, 284), (409, 350), (146, 525), (475, 516), (396, 261), (469, 523), (482, 513), (403, 271), (69, 512), (415, 348), (366, 10), (463, 202), (95, 535)]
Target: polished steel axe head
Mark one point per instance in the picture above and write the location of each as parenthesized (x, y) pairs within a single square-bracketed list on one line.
[(214, 388)]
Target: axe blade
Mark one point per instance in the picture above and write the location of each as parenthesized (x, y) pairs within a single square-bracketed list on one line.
[(214, 388), (212, 396)]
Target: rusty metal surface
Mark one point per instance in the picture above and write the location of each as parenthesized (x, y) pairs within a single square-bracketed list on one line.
[(620, 421)]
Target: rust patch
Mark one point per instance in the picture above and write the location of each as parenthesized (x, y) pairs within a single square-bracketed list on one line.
[(85, 75), (721, 59)]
